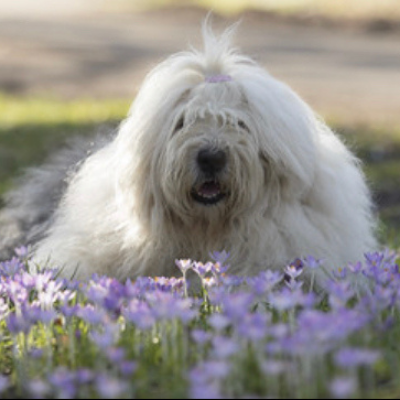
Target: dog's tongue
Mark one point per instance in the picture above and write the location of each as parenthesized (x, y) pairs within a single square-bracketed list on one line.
[(209, 189)]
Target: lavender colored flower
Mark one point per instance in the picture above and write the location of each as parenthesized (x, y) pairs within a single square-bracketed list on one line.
[(17, 293), (4, 384), (36, 353), (11, 268), (231, 281), (38, 389), (22, 252), (209, 391), (339, 293), (63, 382), (35, 314), (312, 263), (184, 265), (274, 368), (320, 331), (18, 324), (201, 337), (219, 322), (254, 327), (128, 368), (356, 268), (69, 312), (374, 259), (43, 279), (202, 269), (115, 355), (166, 306), (224, 347), (92, 315), (294, 285), (343, 387), (353, 357), (236, 306), (210, 371), (265, 282), (286, 299), (107, 337), (84, 376), (294, 269), (109, 387), (220, 257), (140, 314), (341, 273)]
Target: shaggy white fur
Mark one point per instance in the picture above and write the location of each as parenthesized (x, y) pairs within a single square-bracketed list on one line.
[(215, 154)]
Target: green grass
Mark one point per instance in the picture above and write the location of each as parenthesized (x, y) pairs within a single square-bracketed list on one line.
[(354, 9), (31, 128)]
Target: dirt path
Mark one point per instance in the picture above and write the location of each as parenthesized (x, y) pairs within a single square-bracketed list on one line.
[(351, 75)]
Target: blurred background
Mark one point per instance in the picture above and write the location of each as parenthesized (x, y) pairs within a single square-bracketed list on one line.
[(73, 66)]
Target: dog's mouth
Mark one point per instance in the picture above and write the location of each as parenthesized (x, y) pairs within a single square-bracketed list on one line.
[(208, 193)]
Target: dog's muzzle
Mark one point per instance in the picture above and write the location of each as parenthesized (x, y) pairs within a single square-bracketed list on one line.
[(211, 163)]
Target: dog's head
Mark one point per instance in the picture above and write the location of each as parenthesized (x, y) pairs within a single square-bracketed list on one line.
[(212, 134)]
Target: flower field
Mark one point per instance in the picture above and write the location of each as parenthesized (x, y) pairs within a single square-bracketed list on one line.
[(271, 335)]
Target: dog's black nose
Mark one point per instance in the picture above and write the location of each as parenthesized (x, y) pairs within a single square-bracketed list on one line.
[(211, 161)]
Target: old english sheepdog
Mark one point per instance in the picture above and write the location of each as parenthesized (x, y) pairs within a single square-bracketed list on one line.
[(215, 154)]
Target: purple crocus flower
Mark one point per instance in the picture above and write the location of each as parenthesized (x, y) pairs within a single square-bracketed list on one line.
[(109, 387), (18, 324), (341, 273), (22, 252), (237, 305), (265, 282), (219, 322), (209, 391), (201, 337), (63, 382), (343, 388), (115, 355), (11, 268), (312, 263), (84, 376), (339, 293), (184, 265), (35, 314), (128, 368), (374, 259), (107, 337), (254, 327), (202, 269), (4, 384), (356, 268), (294, 269), (92, 315), (38, 389), (224, 347), (349, 357)]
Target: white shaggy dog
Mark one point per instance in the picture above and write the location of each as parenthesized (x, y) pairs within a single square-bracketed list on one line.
[(215, 154)]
